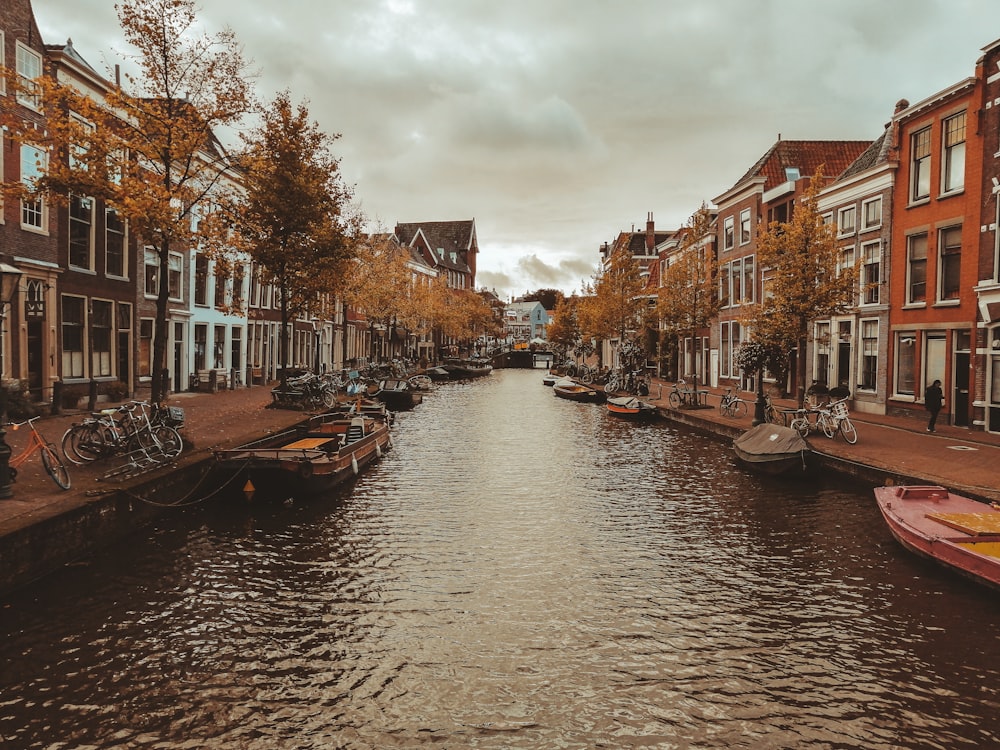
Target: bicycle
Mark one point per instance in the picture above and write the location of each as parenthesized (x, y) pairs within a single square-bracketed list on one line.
[(831, 419), (732, 405), (129, 428), (771, 415), (54, 465)]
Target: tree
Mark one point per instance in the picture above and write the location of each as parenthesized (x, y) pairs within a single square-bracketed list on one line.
[(612, 307), (687, 298), (291, 218), (548, 297), (149, 148), (563, 331), (805, 280)]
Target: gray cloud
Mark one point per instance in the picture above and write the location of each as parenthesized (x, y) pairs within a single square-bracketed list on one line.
[(558, 123)]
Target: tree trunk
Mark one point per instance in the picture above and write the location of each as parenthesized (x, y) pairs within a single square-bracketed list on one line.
[(800, 372), (157, 381)]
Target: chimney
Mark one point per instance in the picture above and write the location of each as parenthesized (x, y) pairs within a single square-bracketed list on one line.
[(650, 234)]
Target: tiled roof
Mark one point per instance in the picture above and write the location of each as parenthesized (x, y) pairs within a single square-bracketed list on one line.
[(875, 154), (443, 238), (807, 157)]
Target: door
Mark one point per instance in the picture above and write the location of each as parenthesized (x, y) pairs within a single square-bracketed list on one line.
[(35, 359), (960, 396)]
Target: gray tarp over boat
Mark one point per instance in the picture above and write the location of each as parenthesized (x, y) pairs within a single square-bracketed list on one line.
[(768, 442)]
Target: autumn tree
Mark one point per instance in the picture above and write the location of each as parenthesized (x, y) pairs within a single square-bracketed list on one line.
[(563, 331), (687, 298), (149, 147), (804, 280), (380, 284), (613, 305)]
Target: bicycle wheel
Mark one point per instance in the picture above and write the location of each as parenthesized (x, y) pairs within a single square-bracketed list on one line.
[(738, 408), (587, 375), (674, 399), (801, 426), (828, 425), (848, 431), (82, 443), (771, 415), (54, 465), (169, 440), (329, 396)]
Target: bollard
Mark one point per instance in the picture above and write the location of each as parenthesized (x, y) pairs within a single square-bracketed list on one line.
[(57, 396), (92, 395)]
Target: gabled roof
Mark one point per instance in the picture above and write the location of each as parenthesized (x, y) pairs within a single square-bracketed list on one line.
[(875, 154), (442, 238), (806, 157)]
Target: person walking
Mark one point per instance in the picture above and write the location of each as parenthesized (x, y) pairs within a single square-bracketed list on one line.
[(933, 398)]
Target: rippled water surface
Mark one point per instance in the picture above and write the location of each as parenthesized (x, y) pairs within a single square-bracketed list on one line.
[(519, 572)]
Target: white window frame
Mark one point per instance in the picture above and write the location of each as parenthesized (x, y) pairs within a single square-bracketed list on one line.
[(746, 227), (953, 154), (908, 301), (3, 58), (920, 167), (941, 253), (864, 325), (729, 233), (875, 206), (847, 221), (870, 250), (24, 54), (40, 207)]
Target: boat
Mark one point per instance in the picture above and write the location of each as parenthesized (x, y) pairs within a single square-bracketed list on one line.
[(467, 368), (630, 407), (309, 458), (549, 379), (397, 394), (437, 373), (772, 449), (956, 531), (574, 391)]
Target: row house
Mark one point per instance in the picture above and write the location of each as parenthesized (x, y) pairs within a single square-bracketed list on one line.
[(765, 193), (525, 322)]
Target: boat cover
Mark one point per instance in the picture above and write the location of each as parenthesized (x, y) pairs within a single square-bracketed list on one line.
[(770, 440)]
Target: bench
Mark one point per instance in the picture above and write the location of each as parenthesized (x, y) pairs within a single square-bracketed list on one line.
[(211, 381)]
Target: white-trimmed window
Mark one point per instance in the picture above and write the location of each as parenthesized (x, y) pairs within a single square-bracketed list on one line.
[(847, 219), (871, 214), (73, 339), (916, 268), (953, 158), (745, 226), (29, 70), (81, 232), (728, 233), (729, 339), (724, 285), (748, 279), (175, 274), (32, 163), (101, 330), (871, 272), (151, 272), (3, 57), (201, 280), (920, 164), (949, 263), (114, 244), (906, 375), (145, 347), (821, 364), (869, 356)]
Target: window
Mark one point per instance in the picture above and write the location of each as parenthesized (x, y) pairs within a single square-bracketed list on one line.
[(3, 56), (254, 286), (114, 248), (100, 326), (730, 341), (728, 233), (871, 272), (151, 269), (916, 270), (950, 249), (174, 275), (81, 232), (821, 369), (72, 336), (145, 347), (724, 274), (200, 345), (744, 226), (29, 68), (846, 261), (221, 282), (219, 348), (920, 168), (905, 361), (201, 279), (953, 160), (748, 280), (871, 214), (32, 210), (736, 279), (236, 350), (869, 355), (847, 220)]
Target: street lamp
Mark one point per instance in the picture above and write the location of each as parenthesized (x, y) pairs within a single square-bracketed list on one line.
[(10, 280)]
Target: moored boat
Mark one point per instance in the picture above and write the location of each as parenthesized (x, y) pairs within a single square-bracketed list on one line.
[(630, 407), (437, 373), (397, 394), (573, 391), (467, 368), (549, 379), (772, 449), (312, 457), (956, 531)]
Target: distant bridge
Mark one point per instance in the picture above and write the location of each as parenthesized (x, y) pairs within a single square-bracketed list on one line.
[(524, 359)]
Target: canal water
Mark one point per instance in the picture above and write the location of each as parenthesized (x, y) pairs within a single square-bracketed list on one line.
[(519, 572)]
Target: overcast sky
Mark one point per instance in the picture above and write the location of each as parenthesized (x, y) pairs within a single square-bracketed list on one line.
[(556, 124)]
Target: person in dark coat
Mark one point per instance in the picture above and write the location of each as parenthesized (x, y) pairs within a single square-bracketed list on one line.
[(933, 398)]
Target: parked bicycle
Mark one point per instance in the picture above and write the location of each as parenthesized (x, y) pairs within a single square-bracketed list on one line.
[(132, 428), (732, 405), (53, 464), (682, 394), (307, 391), (831, 419)]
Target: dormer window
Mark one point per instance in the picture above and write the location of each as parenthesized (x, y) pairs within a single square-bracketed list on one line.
[(792, 174)]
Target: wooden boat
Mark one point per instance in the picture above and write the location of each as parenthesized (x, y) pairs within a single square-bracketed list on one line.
[(630, 407), (467, 368), (437, 373), (772, 449), (956, 531), (570, 389), (397, 394), (310, 458), (549, 379)]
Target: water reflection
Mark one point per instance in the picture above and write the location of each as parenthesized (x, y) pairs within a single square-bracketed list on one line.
[(520, 572)]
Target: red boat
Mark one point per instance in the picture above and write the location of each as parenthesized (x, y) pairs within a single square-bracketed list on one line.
[(956, 531), (630, 407)]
